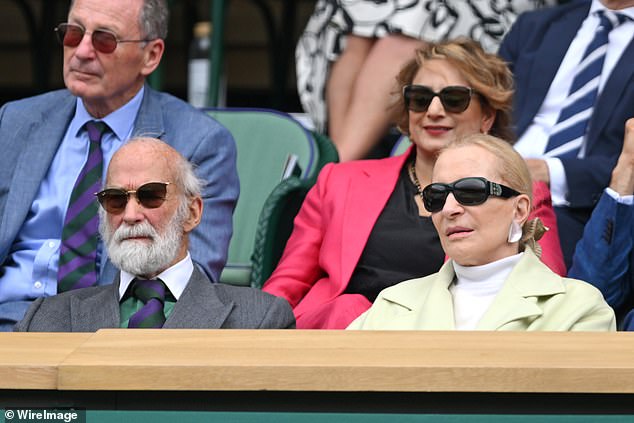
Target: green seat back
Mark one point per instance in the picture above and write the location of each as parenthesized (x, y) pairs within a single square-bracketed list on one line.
[(278, 213), (265, 139), (400, 146)]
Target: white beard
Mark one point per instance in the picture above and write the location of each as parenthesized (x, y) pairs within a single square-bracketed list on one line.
[(141, 258)]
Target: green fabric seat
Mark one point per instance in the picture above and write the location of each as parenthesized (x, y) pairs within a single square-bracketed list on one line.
[(276, 218), (265, 141), (400, 146)]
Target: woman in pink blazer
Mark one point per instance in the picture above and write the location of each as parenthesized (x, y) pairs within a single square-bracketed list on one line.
[(363, 227)]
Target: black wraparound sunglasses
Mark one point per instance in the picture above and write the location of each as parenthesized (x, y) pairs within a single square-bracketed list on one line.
[(70, 35), (151, 195), (467, 191), (455, 98)]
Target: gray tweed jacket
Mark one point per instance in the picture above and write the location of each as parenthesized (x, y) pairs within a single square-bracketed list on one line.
[(203, 305)]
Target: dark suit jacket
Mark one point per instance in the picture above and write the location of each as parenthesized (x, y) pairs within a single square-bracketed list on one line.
[(534, 48), (203, 305), (31, 131)]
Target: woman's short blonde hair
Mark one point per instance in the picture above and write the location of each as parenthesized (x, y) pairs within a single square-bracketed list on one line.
[(486, 73), (510, 165), (513, 172)]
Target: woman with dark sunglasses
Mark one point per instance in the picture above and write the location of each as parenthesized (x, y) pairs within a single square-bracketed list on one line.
[(480, 200), (350, 50), (363, 227)]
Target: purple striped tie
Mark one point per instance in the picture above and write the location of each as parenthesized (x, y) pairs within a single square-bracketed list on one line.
[(152, 294), (78, 251)]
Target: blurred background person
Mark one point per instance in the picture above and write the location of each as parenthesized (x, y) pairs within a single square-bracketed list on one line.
[(350, 51), (574, 90)]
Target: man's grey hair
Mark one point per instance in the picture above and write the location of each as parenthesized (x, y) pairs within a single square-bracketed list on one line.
[(185, 178), (153, 19)]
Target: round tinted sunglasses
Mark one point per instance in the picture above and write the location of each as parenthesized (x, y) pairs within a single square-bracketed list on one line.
[(467, 191), (70, 35), (151, 195), (455, 98)]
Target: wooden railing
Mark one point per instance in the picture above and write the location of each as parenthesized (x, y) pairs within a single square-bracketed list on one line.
[(343, 361)]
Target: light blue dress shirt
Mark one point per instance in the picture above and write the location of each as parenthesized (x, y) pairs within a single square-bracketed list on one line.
[(30, 270)]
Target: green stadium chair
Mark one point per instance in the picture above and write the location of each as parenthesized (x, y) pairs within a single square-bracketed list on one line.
[(276, 218), (265, 140), (400, 146)]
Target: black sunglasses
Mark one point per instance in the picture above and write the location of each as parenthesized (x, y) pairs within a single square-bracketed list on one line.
[(455, 99), (150, 196), (70, 35), (467, 191)]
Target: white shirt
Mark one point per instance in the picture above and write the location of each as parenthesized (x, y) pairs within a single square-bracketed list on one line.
[(475, 288), (175, 277), (533, 141)]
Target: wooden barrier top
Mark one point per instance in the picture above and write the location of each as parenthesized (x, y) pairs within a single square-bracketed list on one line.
[(31, 360), (352, 361)]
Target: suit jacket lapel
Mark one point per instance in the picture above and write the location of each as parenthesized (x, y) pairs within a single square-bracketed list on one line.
[(199, 306), (149, 121), (98, 311), (620, 77), (367, 195), (437, 310), (555, 43), (518, 297), (41, 137), (427, 303), (514, 307)]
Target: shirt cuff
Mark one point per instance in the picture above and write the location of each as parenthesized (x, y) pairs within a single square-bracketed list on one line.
[(622, 199)]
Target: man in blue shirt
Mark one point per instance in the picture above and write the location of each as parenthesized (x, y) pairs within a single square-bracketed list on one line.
[(109, 50)]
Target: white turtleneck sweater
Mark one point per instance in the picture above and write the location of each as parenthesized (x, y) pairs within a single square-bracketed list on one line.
[(475, 287)]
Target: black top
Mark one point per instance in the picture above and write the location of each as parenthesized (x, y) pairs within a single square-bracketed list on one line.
[(402, 245)]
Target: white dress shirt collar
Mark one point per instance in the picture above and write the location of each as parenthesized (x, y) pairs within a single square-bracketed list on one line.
[(175, 277)]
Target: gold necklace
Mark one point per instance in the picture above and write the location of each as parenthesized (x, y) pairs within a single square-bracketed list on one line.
[(414, 179)]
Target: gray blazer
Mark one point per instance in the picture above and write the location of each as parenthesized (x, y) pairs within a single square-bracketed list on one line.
[(203, 305), (32, 129)]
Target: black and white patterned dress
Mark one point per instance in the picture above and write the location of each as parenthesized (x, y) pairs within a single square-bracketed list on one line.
[(324, 37)]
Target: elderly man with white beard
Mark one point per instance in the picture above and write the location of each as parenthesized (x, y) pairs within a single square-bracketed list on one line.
[(150, 204)]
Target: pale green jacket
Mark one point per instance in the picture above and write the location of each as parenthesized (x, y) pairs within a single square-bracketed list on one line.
[(532, 298)]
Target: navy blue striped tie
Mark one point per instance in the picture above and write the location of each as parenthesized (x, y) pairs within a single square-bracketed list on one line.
[(567, 135)]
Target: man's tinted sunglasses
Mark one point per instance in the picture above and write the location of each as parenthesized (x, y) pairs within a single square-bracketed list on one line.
[(70, 35), (151, 195)]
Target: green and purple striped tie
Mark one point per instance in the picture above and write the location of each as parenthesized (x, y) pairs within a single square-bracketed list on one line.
[(152, 294), (78, 250)]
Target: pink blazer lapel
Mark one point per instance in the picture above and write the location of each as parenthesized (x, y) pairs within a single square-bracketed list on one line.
[(367, 195)]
